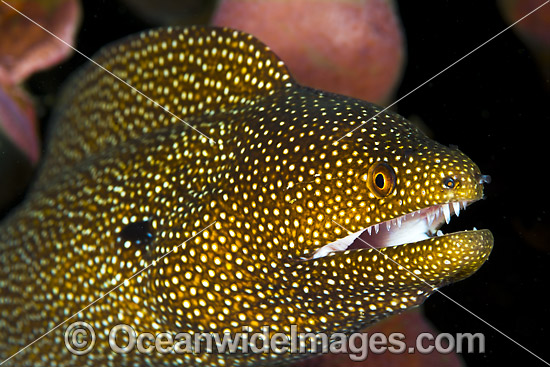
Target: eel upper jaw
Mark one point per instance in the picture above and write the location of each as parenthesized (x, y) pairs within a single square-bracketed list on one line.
[(409, 228)]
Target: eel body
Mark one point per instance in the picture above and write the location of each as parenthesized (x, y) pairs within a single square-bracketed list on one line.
[(238, 198)]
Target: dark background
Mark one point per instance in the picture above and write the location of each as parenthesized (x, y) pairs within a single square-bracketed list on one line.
[(494, 106)]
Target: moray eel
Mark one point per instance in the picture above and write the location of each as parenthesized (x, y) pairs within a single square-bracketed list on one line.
[(254, 201)]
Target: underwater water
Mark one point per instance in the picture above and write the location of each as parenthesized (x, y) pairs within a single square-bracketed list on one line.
[(494, 106)]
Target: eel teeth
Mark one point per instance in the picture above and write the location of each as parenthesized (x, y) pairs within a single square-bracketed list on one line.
[(446, 209), (430, 218), (432, 214), (456, 208)]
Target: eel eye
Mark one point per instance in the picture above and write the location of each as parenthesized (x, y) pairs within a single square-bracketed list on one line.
[(381, 179), (449, 183)]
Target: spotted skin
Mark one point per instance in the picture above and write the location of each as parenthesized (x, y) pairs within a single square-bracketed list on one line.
[(225, 223)]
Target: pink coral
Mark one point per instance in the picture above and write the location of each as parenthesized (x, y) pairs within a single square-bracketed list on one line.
[(351, 47), (25, 49), (534, 30), (17, 121)]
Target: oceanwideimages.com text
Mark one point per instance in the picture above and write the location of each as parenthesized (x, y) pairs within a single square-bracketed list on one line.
[(80, 339)]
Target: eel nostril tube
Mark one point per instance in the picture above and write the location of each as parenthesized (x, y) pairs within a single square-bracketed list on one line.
[(484, 179)]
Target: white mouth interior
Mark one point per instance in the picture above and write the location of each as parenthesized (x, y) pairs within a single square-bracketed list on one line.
[(412, 227)]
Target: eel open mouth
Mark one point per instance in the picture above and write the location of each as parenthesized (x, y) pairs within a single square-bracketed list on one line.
[(411, 227)]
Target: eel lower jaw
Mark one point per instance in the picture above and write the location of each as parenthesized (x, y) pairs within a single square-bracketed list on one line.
[(409, 228)]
